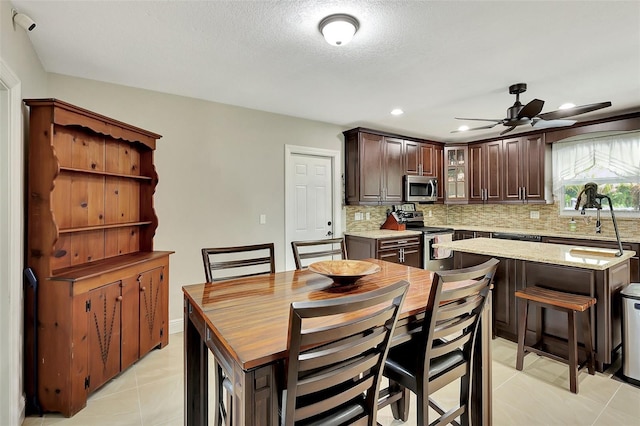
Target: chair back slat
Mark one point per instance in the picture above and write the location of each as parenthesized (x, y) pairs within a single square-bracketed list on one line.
[(307, 252), (452, 310), (334, 400), (346, 371), (348, 328), (336, 349), (449, 346), (224, 263), (459, 325), (347, 349)]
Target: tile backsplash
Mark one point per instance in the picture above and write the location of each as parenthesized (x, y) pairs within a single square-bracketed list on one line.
[(511, 216)]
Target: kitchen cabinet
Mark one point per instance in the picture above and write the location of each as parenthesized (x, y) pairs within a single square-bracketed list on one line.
[(373, 168), (524, 169), (375, 163), (485, 172), (420, 158), (102, 290), (425, 159), (456, 173), (404, 250)]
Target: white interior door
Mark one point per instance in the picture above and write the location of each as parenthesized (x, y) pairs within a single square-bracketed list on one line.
[(310, 198)]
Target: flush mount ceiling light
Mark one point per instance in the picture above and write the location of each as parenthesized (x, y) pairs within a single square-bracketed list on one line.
[(397, 111), (338, 29)]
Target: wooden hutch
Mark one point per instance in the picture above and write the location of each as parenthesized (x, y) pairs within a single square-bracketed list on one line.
[(102, 297)]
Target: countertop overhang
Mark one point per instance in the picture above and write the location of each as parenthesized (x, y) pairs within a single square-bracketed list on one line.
[(557, 254)]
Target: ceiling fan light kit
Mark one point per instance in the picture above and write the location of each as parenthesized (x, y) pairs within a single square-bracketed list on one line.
[(518, 114)]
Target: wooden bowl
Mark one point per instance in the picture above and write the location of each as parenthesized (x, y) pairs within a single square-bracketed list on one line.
[(344, 272)]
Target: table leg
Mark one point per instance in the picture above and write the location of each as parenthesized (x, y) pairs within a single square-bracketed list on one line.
[(195, 373)]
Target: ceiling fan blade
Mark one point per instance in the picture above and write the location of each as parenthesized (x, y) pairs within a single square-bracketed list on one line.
[(479, 119), (507, 130), (548, 124), (531, 109), (569, 112), (490, 126)]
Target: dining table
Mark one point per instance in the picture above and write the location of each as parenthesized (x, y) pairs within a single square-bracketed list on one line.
[(244, 323)]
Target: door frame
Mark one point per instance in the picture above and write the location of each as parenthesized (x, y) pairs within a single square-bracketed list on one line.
[(336, 191), (12, 401)]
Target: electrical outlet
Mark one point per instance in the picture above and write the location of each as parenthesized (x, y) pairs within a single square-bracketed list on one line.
[(430, 214), (534, 214), (368, 216), (263, 219), (358, 216)]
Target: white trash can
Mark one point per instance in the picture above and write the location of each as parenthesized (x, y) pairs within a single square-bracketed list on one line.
[(631, 333)]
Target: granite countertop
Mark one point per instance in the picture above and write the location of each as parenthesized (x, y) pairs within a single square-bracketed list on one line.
[(557, 254), (383, 233)]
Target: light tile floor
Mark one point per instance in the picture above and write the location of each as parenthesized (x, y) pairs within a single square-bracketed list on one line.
[(151, 393)]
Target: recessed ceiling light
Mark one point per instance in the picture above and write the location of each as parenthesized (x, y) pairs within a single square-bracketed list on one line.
[(397, 111), (567, 105), (463, 128)]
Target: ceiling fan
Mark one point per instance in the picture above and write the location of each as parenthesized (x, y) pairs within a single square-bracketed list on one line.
[(518, 114)]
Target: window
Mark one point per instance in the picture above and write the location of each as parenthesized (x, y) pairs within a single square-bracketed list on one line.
[(612, 161)]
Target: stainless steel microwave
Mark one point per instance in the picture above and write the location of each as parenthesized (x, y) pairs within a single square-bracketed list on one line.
[(420, 189)]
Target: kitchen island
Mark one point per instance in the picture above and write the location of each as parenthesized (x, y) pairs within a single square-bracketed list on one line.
[(582, 270)]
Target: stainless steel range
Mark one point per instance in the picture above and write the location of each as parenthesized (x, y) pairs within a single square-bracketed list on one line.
[(433, 259)]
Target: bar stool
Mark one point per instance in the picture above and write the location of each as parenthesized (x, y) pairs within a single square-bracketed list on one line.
[(564, 302)]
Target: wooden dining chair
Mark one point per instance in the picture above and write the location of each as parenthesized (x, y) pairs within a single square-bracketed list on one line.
[(443, 350), (336, 351), (225, 263), (327, 249)]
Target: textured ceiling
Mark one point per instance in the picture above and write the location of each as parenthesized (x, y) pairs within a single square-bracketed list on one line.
[(435, 60)]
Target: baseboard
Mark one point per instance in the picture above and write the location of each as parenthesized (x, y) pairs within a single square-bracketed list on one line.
[(176, 326)]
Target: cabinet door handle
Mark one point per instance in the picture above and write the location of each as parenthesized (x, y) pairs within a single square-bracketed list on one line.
[(524, 192)]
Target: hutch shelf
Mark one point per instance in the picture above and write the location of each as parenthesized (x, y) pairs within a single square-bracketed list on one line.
[(101, 302)]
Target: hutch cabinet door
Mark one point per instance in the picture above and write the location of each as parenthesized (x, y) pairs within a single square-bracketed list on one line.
[(103, 314), (152, 288), (130, 313)]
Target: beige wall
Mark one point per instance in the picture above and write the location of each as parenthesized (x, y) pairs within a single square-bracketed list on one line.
[(220, 167)]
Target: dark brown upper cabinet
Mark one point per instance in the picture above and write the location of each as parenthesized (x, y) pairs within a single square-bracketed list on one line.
[(485, 172), (375, 163), (524, 169)]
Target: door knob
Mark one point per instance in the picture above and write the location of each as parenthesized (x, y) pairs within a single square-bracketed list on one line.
[(329, 233)]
